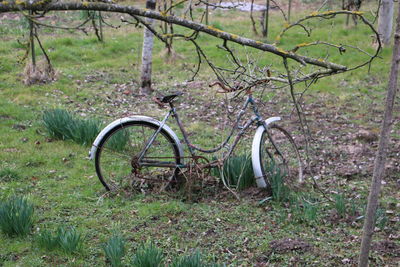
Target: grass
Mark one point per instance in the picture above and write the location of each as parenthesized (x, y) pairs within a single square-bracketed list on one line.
[(62, 185)]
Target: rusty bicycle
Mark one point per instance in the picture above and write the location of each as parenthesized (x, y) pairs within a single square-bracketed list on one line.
[(141, 148)]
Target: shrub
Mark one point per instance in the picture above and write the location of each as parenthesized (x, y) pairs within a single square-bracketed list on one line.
[(148, 255), (8, 174), (237, 172), (114, 250), (16, 216)]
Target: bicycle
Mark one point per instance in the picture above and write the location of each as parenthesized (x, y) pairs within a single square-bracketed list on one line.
[(140, 148)]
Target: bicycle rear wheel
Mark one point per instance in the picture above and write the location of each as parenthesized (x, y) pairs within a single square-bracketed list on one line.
[(117, 159), (279, 159)]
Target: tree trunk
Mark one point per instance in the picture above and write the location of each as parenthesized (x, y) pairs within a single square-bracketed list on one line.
[(266, 19), (386, 21), (289, 10), (147, 53), (379, 165), (32, 42)]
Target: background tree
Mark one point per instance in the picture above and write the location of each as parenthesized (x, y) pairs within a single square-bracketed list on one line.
[(385, 22), (147, 53)]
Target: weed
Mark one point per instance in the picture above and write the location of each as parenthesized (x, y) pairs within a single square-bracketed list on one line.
[(148, 255), (340, 205), (16, 216), (114, 250), (237, 172), (8, 175)]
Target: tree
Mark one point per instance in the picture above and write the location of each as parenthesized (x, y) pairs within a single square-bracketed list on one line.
[(147, 53), (385, 21), (380, 159)]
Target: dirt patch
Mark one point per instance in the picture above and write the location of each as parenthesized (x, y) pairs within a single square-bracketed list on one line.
[(387, 247), (288, 244)]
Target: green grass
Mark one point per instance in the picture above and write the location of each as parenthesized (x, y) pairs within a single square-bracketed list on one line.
[(62, 185)]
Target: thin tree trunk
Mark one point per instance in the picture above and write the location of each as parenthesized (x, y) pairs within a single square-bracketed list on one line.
[(379, 165), (266, 19), (32, 42), (207, 13), (147, 53), (386, 21), (253, 23), (289, 10)]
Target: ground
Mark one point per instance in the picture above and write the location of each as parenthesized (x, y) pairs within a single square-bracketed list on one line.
[(101, 81)]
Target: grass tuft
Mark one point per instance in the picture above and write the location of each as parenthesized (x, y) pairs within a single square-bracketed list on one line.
[(340, 205), (148, 255), (237, 172), (46, 240), (60, 124), (16, 216), (68, 239), (192, 260), (114, 250), (8, 175), (280, 192)]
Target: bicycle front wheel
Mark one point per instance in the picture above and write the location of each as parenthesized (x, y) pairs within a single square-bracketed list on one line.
[(118, 160), (279, 161)]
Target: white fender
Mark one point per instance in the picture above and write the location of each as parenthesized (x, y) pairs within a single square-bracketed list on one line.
[(118, 122), (255, 152)]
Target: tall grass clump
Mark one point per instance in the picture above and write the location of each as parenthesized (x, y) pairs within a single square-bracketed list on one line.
[(85, 131), (237, 172), (67, 239), (148, 255), (16, 216), (60, 124), (114, 250), (8, 175), (46, 240), (280, 192), (340, 205), (193, 260)]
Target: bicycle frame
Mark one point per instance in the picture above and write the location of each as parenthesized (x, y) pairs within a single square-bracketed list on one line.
[(192, 148)]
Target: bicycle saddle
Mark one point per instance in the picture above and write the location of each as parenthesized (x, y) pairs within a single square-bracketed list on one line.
[(169, 98)]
